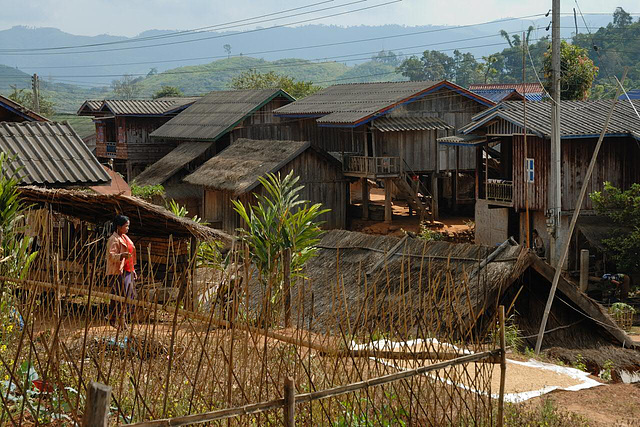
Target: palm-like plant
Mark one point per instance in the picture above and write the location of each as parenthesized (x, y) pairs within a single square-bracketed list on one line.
[(280, 221)]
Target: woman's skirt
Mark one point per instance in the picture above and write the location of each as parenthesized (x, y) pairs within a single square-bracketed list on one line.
[(122, 285)]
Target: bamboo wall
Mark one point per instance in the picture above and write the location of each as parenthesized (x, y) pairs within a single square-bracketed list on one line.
[(539, 150)]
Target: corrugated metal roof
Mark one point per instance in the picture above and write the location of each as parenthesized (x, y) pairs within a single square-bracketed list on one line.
[(520, 87), (50, 154), (498, 95), (89, 107), (167, 166), (21, 110), (355, 102), (578, 118), (463, 140), (216, 113), (391, 124), (238, 167), (145, 107)]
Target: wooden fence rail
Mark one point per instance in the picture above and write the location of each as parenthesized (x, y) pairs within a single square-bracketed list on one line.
[(317, 395)]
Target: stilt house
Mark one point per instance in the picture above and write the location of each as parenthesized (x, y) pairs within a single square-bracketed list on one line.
[(387, 132), (233, 175), (511, 180), (123, 129), (206, 128)]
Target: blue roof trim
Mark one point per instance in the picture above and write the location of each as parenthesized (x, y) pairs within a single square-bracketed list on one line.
[(18, 112), (443, 84), (606, 135)]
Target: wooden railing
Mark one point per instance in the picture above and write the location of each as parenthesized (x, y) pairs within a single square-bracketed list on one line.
[(499, 190), (372, 165)]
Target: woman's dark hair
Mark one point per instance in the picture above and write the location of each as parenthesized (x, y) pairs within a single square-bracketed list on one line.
[(120, 220), (535, 232)]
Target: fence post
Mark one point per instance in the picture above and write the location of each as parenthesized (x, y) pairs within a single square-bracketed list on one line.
[(503, 367), (287, 287), (96, 411), (584, 269), (289, 402)]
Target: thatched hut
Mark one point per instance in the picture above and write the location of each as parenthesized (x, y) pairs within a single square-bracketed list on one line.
[(362, 280), (233, 175), (71, 228)]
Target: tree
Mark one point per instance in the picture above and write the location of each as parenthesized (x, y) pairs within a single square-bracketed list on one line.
[(387, 57), (165, 91), (433, 65), (253, 79), (25, 97), (126, 88), (623, 209), (279, 221), (227, 48), (152, 72), (577, 75), (621, 18)]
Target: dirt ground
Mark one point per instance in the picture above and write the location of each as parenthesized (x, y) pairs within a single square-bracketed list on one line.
[(402, 221), (610, 405)]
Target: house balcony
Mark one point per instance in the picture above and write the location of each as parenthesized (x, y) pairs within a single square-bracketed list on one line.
[(371, 167), (499, 192), (111, 150)]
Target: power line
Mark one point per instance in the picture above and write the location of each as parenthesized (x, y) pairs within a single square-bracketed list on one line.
[(212, 37)]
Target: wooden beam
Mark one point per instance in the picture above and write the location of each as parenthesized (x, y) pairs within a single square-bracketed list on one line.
[(365, 197), (590, 307), (387, 255), (388, 210), (584, 270)]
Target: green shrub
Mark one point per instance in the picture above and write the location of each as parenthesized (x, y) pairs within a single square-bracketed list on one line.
[(147, 192)]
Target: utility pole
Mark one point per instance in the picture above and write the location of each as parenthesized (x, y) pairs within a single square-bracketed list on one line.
[(555, 195), (35, 89)]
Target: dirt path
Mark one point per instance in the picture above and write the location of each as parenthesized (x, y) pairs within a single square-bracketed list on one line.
[(610, 405)]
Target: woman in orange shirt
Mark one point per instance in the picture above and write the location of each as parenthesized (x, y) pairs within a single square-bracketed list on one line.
[(121, 273)]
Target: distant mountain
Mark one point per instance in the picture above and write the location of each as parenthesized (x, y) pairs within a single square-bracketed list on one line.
[(11, 76), (353, 45)]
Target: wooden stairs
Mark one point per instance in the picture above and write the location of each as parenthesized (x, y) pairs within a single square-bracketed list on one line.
[(416, 195)]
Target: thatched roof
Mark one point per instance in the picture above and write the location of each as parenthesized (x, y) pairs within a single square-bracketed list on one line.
[(169, 165), (372, 276), (146, 218), (238, 167), (357, 276)]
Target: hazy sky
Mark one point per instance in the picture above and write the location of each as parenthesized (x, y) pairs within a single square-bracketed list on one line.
[(130, 17)]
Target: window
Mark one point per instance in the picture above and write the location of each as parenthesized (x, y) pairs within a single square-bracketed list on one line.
[(529, 170)]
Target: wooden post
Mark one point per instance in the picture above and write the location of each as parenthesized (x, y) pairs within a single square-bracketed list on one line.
[(96, 412), (289, 402), (286, 260), (503, 367), (584, 269), (388, 211), (365, 198), (434, 195)]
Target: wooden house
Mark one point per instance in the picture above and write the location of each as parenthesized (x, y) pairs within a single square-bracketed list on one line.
[(387, 132), (233, 175), (510, 179), (206, 128), (123, 129), (11, 111)]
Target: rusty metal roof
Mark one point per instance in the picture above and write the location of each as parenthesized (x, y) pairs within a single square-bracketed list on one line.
[(216, 113), (520, 87), (396, 124), (89, 107), (499, 95), (21, 110), (353, 104), (577, 118), (50, 154), (170, 164), (141, 107)]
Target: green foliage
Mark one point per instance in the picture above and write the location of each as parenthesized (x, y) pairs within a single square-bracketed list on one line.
[(578, 72), (605, 374), (252, 79), (512, 335), (428, 234), (25, 98), (167, 91), (621, 308), (387, 57), (433, 65), (147, 192), (386, 415), (623, 208), (280, 221), (579, 363), (546, 414)]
